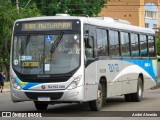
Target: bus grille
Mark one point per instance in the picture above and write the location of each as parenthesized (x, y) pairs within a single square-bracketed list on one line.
[(53, 96)]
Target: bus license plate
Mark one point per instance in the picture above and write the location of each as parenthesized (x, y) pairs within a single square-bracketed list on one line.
[(44, 99)]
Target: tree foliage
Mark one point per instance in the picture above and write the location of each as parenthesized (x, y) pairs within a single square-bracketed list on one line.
[(8, 15), (72, 7), (158, 45)]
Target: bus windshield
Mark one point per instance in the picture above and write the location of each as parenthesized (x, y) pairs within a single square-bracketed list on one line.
[(46, 54)]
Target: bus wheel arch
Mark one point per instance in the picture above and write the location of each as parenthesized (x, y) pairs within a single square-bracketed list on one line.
[(97, 104), (137, 97)]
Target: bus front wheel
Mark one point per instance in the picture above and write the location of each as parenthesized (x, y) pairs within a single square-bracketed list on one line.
[(40, 105), (96, 105)]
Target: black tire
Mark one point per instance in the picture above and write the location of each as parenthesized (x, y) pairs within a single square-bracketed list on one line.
[(40, 105), (96, 105), (128, 97), (104, 95), (137, 97)]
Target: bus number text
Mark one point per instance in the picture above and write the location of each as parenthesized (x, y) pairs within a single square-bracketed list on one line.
[(113, 67)]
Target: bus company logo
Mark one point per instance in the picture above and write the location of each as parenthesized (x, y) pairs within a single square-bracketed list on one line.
[(147, 65), (43, 86)]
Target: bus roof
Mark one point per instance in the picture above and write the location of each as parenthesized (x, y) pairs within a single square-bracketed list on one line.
[(98, 21)]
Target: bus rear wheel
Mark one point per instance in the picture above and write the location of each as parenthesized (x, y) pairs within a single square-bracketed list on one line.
[(128, 97), (96, 105), (40, 105), (136, 97)]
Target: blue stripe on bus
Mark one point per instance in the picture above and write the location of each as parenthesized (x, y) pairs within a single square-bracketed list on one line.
[(150, 66), (29, 85), (26, 85)]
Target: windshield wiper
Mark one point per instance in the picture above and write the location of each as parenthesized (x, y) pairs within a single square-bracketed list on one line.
[(55, 44), (24, 44)]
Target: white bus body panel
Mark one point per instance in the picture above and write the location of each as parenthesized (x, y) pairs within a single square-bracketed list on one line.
[(121, 78)]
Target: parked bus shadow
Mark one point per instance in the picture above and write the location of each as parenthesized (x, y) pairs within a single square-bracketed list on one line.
[(75, 109), (83, 110), (81, 106)]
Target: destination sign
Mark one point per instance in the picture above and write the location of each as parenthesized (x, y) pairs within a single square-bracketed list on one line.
[(30, 64), (39, 26)]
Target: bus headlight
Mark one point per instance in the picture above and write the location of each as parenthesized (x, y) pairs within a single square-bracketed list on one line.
[(74, 83), (15, 84)]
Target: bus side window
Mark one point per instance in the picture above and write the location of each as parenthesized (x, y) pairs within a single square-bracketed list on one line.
[(102, 43), (134, 45), (151, 45), (125, 44), (89, 47), (143, 44), (114, 43)]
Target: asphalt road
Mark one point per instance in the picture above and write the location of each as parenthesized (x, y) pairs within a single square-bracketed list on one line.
[(116, 107)]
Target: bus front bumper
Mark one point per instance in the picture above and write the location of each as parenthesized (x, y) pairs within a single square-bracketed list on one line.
[(73, 95)]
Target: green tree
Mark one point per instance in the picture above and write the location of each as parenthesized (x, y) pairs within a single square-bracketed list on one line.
[(8, 15), (158, 45), (72, 7)]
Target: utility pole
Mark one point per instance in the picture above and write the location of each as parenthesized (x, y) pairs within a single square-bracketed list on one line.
[(17, 5)]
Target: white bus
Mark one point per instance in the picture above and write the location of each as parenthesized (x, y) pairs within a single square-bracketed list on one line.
[(64, 58)]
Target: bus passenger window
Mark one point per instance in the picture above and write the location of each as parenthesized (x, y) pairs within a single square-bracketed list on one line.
[(151, 45), (102, 44), (125, 44), (143, 43), (114, 43), (134, 45), (89, 47)]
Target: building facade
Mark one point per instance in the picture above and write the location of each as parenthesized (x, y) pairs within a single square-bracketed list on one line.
[(144, 13)]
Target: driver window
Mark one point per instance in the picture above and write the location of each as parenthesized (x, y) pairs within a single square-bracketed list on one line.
[(89, 47)]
